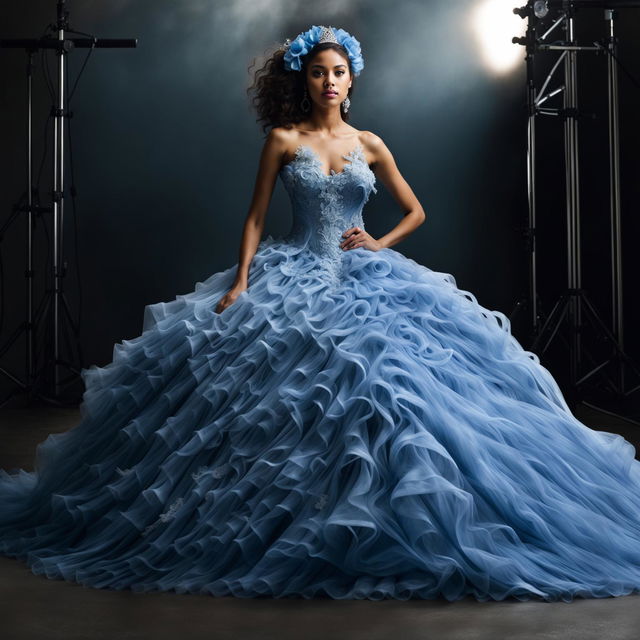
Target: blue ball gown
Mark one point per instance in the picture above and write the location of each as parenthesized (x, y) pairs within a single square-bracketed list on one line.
[(353, 426)]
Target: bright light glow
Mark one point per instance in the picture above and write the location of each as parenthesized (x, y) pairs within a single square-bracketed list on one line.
[(494, 24)]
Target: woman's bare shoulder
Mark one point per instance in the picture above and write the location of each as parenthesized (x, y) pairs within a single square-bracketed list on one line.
[(284, 133), (284, 140), (370, 140), (372, 144)]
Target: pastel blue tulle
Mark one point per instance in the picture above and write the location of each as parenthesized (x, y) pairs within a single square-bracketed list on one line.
[(353, 426)]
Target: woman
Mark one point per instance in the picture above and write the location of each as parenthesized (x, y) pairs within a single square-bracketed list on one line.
[(324, 135), (346, 422)]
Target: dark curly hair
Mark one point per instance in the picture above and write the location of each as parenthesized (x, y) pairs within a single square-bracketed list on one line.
[(278, 92)]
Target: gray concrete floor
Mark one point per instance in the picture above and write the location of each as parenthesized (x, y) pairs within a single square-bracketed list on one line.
[(33, 607)]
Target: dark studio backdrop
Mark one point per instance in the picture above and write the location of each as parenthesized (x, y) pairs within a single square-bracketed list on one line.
[(165, 151)]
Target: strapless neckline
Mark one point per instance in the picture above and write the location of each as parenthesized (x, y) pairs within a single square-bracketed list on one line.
[(355, 155)]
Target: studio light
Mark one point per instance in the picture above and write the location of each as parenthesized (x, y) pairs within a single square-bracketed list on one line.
[(494, 25)]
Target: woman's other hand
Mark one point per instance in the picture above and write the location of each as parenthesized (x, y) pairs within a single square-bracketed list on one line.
[(229, 298)]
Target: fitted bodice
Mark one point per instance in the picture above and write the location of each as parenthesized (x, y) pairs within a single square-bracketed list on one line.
[(325, 206)]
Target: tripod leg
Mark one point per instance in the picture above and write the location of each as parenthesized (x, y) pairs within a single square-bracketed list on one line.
[(559, 309), (617, 348)]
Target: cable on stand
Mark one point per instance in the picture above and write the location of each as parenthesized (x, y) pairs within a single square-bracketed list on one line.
[(53, 315)]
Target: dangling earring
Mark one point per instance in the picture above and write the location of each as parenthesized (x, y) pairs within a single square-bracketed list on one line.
[(307, 106), (346, 104)]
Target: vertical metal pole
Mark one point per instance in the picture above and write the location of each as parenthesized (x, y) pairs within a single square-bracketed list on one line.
[(577, 247), (572, 197), (58, 189), (614, 190), (531, 172), (30, 329)]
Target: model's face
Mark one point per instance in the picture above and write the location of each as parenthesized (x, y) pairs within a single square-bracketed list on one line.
[(328, 71)]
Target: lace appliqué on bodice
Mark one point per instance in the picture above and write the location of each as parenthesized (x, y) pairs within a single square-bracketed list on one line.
[(324, 205)]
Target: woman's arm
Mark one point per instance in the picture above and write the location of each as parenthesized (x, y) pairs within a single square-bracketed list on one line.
[(384, 166), (270, 161), (269, 165)]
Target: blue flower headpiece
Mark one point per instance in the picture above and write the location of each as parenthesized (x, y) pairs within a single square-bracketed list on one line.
[(305, 41)]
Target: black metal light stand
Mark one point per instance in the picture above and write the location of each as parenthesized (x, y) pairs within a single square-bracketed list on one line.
[(54, 310), (575, 301)]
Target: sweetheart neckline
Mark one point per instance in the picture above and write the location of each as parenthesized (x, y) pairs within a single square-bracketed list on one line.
[(351, 156)]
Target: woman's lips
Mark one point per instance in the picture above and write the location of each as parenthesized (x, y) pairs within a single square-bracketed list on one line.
[(330, 95)]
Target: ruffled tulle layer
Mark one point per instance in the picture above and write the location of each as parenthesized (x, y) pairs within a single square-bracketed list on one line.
[(385, 439)]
